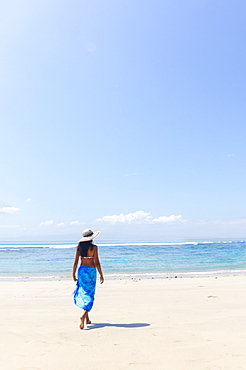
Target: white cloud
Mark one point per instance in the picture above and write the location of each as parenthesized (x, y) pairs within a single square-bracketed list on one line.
[(71, 223), (167, 219), (9, 210), (47, 223), (28, 200), (61, 224), (139, 216), (76, 223)]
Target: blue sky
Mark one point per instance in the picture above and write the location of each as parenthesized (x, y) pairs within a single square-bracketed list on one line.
[(124, 116)]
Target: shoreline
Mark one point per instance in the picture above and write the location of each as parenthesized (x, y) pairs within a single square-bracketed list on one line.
[(130, 276)]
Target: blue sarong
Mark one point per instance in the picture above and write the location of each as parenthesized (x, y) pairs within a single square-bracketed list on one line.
[(85, 289)]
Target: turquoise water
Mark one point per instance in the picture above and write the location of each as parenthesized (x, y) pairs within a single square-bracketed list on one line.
[(46, 260)]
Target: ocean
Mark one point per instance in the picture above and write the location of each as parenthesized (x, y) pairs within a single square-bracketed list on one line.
[(125, 260)]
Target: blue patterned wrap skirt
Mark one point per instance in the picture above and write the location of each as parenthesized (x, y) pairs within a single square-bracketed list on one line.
[(85, 289)]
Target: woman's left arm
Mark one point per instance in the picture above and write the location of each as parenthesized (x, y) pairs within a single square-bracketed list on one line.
[(75, 264)]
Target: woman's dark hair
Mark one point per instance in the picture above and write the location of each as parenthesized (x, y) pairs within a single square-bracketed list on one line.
[(83, 248)]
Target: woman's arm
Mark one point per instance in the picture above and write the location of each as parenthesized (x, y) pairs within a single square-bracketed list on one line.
[(75, 264), (97, 264)]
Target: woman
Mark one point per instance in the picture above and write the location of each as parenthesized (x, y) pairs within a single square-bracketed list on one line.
[(86, 282)]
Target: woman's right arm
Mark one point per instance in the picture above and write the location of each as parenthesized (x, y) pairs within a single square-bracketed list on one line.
[(97, 264), (75, 264)]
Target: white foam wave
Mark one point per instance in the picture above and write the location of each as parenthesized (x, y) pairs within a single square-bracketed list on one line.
[(109, 244), (166, 243), (177, 274), (52, 277), (61, 246), (57, 246), (143, 244)]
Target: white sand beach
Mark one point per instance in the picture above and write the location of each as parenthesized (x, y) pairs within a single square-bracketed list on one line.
[(171, 324)]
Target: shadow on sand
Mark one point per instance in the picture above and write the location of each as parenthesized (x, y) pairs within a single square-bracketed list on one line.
[(105, 324)]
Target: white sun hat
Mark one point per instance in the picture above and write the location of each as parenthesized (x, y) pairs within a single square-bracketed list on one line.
[(88, 235)]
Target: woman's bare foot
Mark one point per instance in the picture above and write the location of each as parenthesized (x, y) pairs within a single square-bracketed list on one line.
[(87, 320), (82, 324)]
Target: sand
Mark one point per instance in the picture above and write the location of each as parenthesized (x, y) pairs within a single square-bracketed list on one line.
[(173, 324)]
